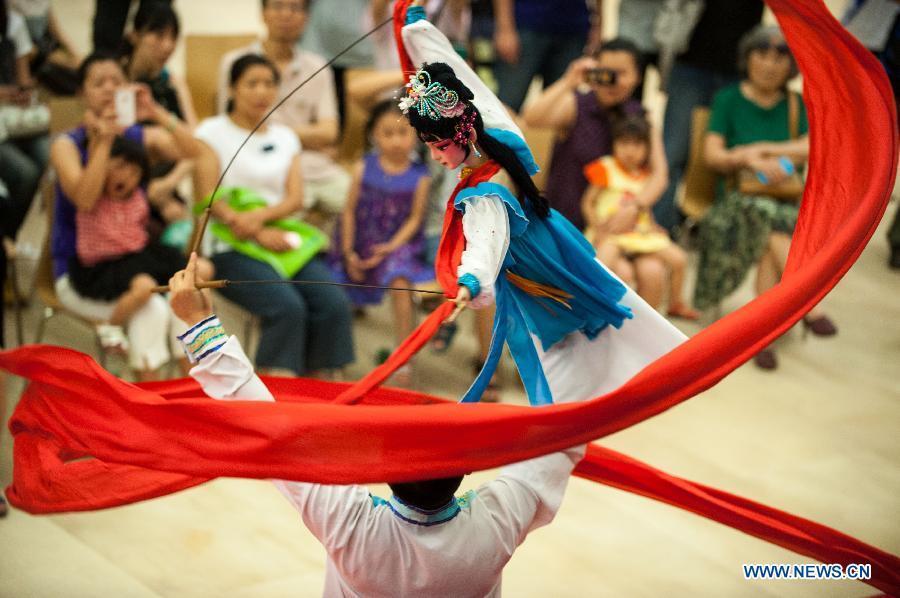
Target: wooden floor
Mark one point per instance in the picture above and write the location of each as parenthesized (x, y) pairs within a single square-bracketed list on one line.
[(819, 438)]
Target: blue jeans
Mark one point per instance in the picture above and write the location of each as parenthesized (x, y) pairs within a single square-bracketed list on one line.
[(689, 87), (541, 54), (22, 163), (304, 327)]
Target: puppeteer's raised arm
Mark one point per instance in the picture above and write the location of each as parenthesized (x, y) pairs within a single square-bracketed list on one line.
[(425, 44)]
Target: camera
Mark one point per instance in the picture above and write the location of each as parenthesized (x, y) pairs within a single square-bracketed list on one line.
[(599, 76)]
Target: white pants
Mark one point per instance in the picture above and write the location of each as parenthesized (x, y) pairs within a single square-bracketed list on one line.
[(151, 330)]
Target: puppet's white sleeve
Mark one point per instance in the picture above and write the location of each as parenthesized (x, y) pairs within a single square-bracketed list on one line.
[(425, 43), (486, 228)]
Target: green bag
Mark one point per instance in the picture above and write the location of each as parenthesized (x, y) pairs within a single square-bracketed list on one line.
[(286, 263)]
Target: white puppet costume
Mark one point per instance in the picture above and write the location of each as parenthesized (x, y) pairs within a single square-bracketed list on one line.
[(387, 548), (574, 330)]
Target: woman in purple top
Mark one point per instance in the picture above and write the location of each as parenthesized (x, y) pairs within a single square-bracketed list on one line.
[(583, 119), (379, 240), (80, 159)]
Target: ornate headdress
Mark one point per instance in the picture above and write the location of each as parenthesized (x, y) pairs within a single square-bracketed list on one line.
[(431, 99)]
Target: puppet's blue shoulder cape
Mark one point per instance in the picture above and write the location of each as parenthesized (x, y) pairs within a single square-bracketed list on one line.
[(553, 253)]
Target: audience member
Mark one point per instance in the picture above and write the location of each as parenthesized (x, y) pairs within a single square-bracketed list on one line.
[(623, 232), (708, 65), (581, 107), (311, 112), (23, 152), (110, 17), (379, 240), (81, 159), (636, 21), (115, 259), (146, 50), (333, 26), (55, 60), (534, 37), (750, 137), (305, 328)]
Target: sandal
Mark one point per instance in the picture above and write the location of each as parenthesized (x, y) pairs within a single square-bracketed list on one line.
[(680, 310), (112, 339), (444, 337)]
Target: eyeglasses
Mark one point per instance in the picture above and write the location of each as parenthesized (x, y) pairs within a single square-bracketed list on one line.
[(294, 7)]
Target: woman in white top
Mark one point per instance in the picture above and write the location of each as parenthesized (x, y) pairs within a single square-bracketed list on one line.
[(305, 328)]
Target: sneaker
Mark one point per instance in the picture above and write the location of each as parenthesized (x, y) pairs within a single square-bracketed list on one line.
[(112, 338)]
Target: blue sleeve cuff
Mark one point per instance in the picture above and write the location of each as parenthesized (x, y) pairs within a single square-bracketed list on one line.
[(415, 13), (470, 282), (203, 339)]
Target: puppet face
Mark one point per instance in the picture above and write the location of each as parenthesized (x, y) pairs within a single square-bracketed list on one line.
[(393, 136), (448, 153), (254, 92), (769, 65), (122, 178), (100, 84), (631, 152), (626, 79)]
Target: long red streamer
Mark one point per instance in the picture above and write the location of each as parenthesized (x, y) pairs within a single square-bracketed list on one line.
[(144, 444)]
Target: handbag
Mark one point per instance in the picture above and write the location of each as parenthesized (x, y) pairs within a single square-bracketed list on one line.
[(791, 188), (310, 239)]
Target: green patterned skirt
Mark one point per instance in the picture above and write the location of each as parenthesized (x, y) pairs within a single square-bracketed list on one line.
[(733, 236)]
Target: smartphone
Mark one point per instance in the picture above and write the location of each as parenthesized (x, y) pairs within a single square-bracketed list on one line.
[(126, 107)]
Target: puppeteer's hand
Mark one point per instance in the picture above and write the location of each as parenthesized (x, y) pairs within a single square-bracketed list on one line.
[(189, 303), (462, 299)]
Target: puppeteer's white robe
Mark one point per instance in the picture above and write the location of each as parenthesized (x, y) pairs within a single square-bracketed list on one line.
[(371, 550)]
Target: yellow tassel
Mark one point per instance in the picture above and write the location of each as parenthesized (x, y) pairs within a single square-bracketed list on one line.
[(537, 289)]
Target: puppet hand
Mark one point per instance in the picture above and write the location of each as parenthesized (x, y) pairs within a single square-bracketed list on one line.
[(462, 299)]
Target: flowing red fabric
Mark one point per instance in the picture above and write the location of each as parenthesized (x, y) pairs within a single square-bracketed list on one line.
[(86, 440)]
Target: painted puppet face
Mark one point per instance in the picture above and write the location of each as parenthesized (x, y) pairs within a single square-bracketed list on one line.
[(447, 153)]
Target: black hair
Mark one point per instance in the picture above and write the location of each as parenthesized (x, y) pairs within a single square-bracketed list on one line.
[(631, 127), (240, 66), (151, 17), (381, 108), (92, 59), (621, 44), (157, 17), (428, 495), (131, 152), (430, 129)]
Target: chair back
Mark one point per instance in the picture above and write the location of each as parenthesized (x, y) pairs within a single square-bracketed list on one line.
[(203, 53), (699, 190)]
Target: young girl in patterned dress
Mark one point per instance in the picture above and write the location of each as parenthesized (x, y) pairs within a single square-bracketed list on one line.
[(379, 240)]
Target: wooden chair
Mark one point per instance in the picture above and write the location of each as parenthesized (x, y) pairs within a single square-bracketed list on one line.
[(541, 141), (699, 190), (203, 55)]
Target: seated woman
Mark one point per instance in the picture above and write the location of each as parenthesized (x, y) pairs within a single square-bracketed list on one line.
[(305, 328), (146, 50), (581, 107), (81, 159), (750, 130)]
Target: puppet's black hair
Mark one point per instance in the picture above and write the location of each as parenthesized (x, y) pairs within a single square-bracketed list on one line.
[(430, 129)]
